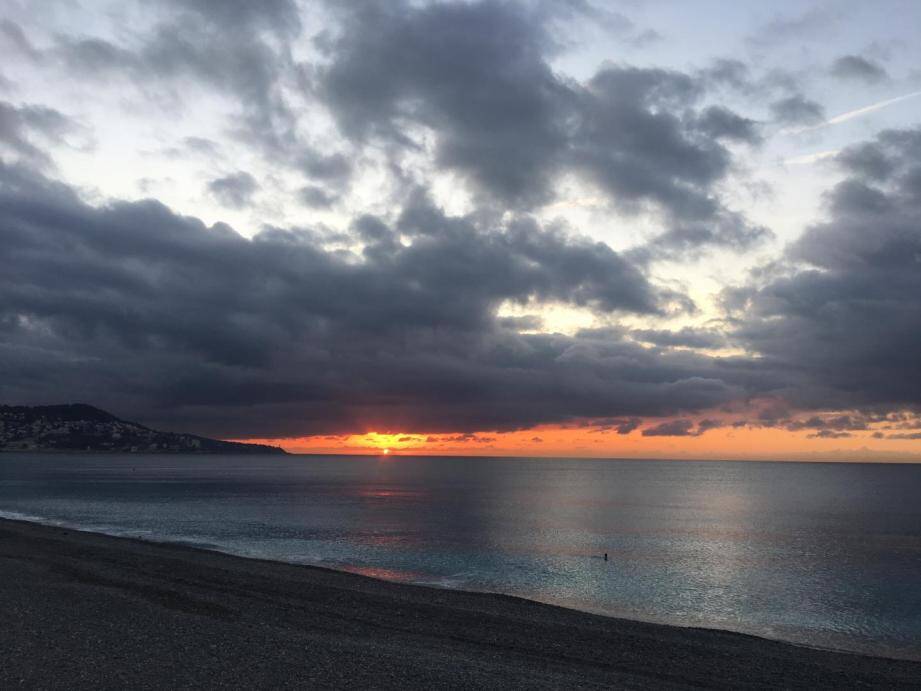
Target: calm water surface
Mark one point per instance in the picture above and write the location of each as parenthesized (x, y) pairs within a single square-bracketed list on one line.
[(823, 554)]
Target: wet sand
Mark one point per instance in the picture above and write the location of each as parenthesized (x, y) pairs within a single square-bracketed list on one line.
[(79, 610)]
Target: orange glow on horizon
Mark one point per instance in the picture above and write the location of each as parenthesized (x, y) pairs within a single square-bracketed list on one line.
[(597, 441)]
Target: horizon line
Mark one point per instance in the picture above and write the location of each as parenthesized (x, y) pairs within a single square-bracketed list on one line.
[(855, 461)]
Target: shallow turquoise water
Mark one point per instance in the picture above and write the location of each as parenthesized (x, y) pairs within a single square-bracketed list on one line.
[(823, 554)]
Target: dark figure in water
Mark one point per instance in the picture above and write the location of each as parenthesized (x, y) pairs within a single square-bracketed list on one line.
[(605, 556)]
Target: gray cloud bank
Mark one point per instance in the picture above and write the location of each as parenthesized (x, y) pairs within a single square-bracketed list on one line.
[(132, 306), (856, 67), (847, 319)]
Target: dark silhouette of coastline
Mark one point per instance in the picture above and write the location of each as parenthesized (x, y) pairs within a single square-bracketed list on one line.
[(84, 428)]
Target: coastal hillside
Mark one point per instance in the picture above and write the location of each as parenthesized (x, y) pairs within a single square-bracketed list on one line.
[(79, 427)]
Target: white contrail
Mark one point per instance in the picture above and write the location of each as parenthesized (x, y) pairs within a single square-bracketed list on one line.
[(851, 114), (806, 159), (869, 109)]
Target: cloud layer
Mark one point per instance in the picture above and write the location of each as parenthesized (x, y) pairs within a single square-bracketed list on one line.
[(135, 307), (845, 315), (426, 147)]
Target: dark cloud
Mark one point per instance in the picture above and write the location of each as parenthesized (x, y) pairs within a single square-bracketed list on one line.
[(830, 434), (527, 322), (315, 196), (683, 427), (726, 229), (721, 123), (797, 110), (635, 147), (781, 89), (466, 439), (689, 337), (878, 160), (475, 73), (845, 314), (619, 425), (21, 125), (867, 161), (780, 415), (707, 424), (234, 190), (575, 269), (829, 423), (161, 317), (332, 167), (855, 67), (671, 428), (476, 77), (730, 73)]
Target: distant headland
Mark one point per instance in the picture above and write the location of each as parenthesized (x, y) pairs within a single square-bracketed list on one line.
[(79, 427)]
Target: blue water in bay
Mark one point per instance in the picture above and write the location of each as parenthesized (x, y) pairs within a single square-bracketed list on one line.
[(821, 554)]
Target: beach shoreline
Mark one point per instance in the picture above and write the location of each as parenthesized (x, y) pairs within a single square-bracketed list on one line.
[(88, 610), (133, 535)]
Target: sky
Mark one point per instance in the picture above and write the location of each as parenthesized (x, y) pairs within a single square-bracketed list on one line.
[(573, 228)]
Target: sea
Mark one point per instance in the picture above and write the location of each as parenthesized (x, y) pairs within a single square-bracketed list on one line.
[(821, 554)]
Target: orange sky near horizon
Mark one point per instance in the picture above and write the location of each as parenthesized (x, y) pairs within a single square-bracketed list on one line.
[(743, 443)]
